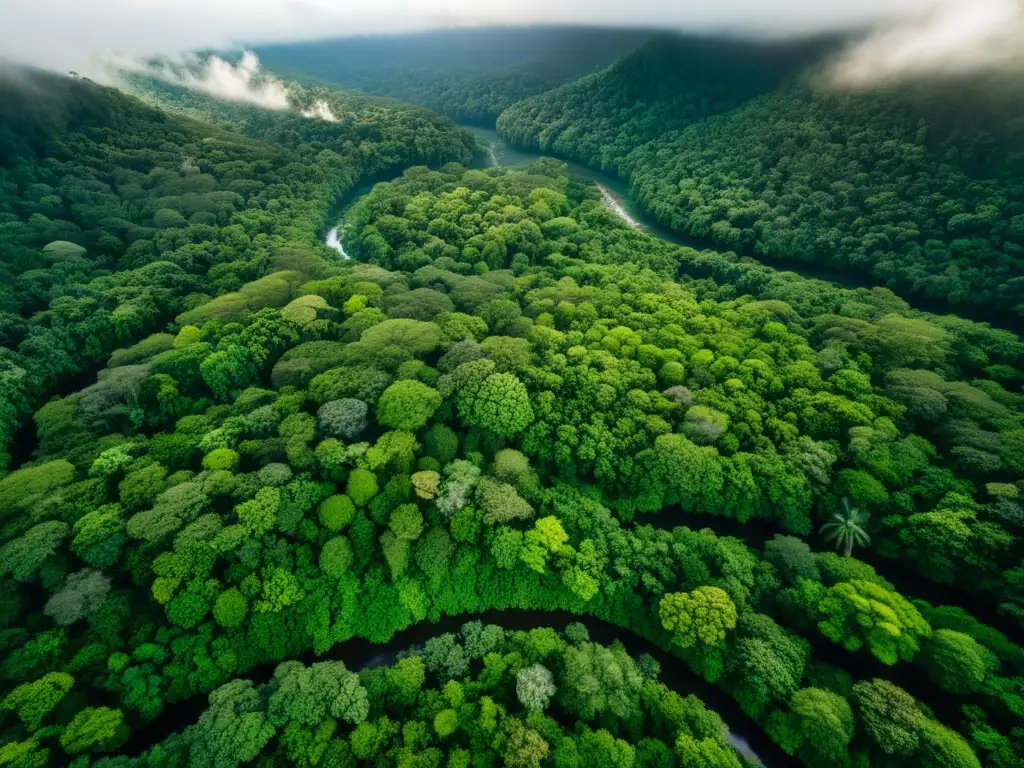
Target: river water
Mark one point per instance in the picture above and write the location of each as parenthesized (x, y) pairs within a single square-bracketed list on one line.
[(495, 151)]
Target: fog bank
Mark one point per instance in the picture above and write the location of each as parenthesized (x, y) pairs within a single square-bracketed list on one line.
[(912, 36)]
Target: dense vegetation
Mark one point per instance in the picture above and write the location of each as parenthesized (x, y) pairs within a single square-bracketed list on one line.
[(469, 75), (467, 699), (920, 190), (477, 414), (115, 217)]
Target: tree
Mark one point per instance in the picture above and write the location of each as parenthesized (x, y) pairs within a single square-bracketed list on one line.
[(598, 679), (94, 729), (345, 418), (406, 522), (956, 662), (259, 515), (546, 538), (307, 695), (945, 748), (362, 486), (23, 556), (82, 593), (446, 722), (793, 557), (433, 554), (706, 753), (890, 716), (859, 613), (230, 608), (233, 729), (704, 615), (445, 657), (824, 721), (32, 702), (406, 679), (99, 536), (500, 503), (501, 405), (336, 512), (441, 443), (426, 483), (407, 405), (847, 528), (535, 686), (336, 557), (525, 747)]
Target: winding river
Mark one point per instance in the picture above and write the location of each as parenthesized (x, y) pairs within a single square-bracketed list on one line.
[(495, 151)]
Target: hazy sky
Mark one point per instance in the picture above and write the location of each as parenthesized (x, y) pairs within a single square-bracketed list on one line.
[(67, 33), (911, 36)]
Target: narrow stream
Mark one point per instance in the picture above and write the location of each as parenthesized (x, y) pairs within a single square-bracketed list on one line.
[(334, 241), (744, 734)]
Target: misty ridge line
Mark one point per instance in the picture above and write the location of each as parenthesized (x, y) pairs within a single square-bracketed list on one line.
[(952, 38)]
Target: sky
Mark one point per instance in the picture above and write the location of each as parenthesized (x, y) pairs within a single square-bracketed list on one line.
[(922, 34)]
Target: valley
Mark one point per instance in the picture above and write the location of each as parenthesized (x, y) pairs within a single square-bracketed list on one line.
[(535, 397)]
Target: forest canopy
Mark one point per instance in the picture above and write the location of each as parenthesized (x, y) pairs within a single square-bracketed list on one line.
[(237, 455), (745, 150)]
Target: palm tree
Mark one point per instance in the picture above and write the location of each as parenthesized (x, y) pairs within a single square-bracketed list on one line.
[(847, 528)]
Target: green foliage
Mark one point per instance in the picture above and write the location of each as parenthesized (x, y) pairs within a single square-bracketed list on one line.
[(542, 377), (94, 730), (861, 613), (336, 512), (956, 661), (362, 486), (336, 557), (231, 608), (407, 405), (32, 702), (833, 184), (704, 615)]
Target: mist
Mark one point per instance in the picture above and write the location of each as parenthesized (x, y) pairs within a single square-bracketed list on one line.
[(958, 38), (244, 81), (911, 37)]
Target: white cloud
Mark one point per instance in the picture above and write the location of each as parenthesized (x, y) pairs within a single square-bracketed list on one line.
[(233, 82), (320, 110), (957, 38), (244, 81)]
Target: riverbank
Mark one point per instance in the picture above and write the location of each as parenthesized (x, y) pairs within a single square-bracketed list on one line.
[(618, 189)]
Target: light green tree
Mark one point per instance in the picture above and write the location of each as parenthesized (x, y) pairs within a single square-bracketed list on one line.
[(704, 615)]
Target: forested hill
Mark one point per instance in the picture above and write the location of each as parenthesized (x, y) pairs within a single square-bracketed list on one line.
[(666, 85), (918, 188), (114, 216), (469, 75)]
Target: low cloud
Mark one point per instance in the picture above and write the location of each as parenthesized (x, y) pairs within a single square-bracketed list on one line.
[(244, 82), (320, 110), (960, 37)]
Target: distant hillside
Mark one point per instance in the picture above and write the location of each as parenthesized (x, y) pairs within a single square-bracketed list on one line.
[(920, 188), (469, 75), (665, 85)]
